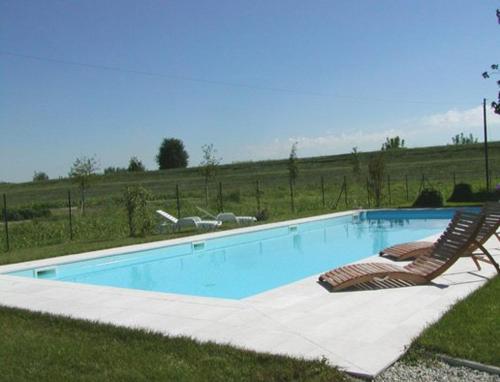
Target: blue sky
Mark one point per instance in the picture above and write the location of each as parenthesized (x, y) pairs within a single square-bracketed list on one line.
[(251, 77)]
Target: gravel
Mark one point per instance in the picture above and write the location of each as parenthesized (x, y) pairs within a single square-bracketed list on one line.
[(436, 371)]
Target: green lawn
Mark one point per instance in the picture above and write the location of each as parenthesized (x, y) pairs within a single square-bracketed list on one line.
[(39, 347), (469, 330)]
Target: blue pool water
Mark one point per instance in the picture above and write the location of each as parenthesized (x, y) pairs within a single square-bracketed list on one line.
[(236, 266)]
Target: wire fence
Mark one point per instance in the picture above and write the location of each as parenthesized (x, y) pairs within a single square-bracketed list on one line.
[(270, 196)]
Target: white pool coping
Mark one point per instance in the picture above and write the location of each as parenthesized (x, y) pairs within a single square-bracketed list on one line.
[(360, 332)]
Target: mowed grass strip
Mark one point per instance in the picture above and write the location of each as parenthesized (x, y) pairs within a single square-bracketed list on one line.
[(470, 329), (41, 347)]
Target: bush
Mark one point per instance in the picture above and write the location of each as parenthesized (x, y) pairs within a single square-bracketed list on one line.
[(429, 198), (28, 213), (234, 196), (262, 215), (462, 192), (139, 219)]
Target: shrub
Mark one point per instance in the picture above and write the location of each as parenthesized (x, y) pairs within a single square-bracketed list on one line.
[(135, 201), (429, 198), (262, 215), (234, 196), (28, 213), (462, 192)]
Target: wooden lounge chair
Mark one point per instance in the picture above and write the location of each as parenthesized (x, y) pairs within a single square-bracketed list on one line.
[(457, 238), (410, 251)]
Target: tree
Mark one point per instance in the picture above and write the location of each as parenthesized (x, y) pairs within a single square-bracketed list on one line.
[(135, 165), (356, 168), (393, 143), (461, 139), (293, 168), (83, 169), (172, 154), (495, 105), (114, 170), (376, 170), (209, 166), (40, 176)]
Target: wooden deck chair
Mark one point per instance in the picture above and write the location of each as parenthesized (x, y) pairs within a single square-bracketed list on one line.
[(412, 250), (457, 238)]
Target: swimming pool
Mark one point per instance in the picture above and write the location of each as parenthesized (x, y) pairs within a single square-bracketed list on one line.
[(236, 266)]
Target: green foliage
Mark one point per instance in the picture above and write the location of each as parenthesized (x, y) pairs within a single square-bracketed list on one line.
[(356, 166), (172, 154), (469, 329), (26, 213), (234, 196), (262, 215), (293, 168), (462, 192), (139, 218), (376, 171), (393, 143), (429, 198), (83, 169), (40, 176), (135, 165), (114, 170), (209, 166), (461, 139)]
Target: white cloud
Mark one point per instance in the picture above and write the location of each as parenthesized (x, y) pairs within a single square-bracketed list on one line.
[(435, 129)]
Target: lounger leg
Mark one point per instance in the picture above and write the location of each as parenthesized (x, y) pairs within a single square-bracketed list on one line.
[(490, 260), (476, 259)]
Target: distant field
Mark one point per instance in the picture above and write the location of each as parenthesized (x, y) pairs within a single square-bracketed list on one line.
[(106, 220)]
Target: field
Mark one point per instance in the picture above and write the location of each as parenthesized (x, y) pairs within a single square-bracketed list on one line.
[(407, 171)]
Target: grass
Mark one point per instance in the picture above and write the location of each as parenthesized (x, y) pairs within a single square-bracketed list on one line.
[(469, 330), (46, 348), (106, 219)]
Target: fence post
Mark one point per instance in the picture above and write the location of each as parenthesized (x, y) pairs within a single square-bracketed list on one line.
[(177, 197), (70, 216), (221, 204), (407, 191), (257, 194), (368, 191), (6, 223), (323, 190), (389, 188), (345, 191), (292, 203)]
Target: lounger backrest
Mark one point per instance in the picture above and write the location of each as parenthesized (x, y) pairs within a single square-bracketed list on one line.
[(226, 217), (457, 238), (167, 216), (491, 222)]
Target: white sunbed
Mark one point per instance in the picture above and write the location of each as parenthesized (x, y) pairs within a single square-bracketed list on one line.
[(229, 217), (189, 222)]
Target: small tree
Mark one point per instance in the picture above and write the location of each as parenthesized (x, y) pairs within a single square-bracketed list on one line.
[(40, 176), (393, 143), (293, 168), (209, 166), (172, 154), (461, 139), (376, 171), (356, 167), (135, 165), (135, 200), (82, 171)]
